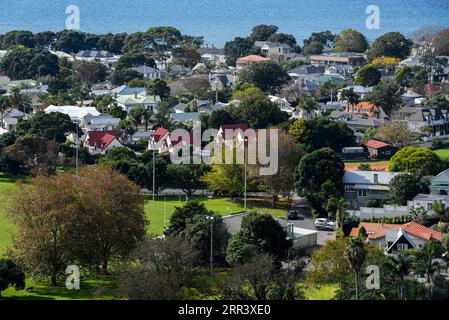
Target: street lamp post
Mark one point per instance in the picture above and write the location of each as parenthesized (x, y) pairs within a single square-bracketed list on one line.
[(211, 218), (245, 163), (76, 149)]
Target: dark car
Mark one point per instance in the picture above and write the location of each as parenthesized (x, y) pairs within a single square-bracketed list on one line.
[(294, 215)]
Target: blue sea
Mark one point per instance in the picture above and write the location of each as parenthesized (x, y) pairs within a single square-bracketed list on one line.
[(222, 20)]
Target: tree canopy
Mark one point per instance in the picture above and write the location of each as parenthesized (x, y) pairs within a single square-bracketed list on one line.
[(350, 40), (416, 160)]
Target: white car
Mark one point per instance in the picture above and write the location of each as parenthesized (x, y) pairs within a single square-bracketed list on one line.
[(324, 224)]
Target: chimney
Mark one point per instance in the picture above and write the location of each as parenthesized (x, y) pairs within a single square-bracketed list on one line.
[(376, 178)]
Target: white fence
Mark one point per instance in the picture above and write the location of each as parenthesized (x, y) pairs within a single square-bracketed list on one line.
[(387, 211)]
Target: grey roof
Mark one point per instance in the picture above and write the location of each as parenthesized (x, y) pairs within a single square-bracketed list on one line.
[(430, 197), (125, 90), (422, 114), (307, 69), (367, 177), (144, 69), (94, 54), (187, 116)]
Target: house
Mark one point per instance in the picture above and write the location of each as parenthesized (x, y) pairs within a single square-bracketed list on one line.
[(413, 61), (282, 103), (394, 238), (411, 98), (125, 91), (128, 102), (361, 91), (363, 109), (196, 105), (180, 70), (212, 54), (440, 183), (221, 81), (185, 117), (11, 117), (74, 112), (419, 118), (379, 150), (306, 72), (361, 186), (278, 52), (355, 122), (244, 61), (158, 142), (149, 73), (100, 142), (349, 58), (426, 201), (199, 68), (99, 123), (345, 70)]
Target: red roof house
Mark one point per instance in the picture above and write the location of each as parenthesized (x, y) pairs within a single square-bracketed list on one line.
[(101, 141), (379, 150)]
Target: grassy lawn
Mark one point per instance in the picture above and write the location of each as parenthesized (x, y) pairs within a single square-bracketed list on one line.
[(223, 206), (442, 153), (322, 292), (371, 163), (6, 228), (99, 288)]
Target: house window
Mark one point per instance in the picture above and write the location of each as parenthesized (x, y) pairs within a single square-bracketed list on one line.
[(387, 153), (402, 246), (362, 193), (349, 189)]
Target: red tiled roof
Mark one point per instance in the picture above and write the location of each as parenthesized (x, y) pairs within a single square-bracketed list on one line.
[(375, 144), (252, 58), (377, 230), (101, 139), (374, 230), (421, 231), (159, 134)]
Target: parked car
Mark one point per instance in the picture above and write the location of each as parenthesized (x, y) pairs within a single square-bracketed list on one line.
[(324, 224)]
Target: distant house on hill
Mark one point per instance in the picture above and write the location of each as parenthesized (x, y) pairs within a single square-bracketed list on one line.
[(244, 61), (379, 150)]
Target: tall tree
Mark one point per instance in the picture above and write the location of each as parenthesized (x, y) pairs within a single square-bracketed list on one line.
[(265, 75), (367, 76), (262, 32), (391, 44), (355, 254), (350, 40)]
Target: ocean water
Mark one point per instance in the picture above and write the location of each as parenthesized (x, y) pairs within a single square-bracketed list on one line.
[(222, 20)]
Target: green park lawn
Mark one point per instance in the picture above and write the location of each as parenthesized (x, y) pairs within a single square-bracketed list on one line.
[(223, 206), (442, 153), (371, 163), (106, 287)]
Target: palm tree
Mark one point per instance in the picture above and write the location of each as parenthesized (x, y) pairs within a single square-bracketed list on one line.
[(308, 104), (5, 104), (350, 96), (426, 263), (355, 254), (400, 265)]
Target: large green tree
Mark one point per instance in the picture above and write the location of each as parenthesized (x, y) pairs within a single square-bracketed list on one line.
[(367, 76), (319, 177), (265, 75), (259, 232), (405, 187), (391, 44), (416, 160), (321, 132), (262, 32), (350, 40)]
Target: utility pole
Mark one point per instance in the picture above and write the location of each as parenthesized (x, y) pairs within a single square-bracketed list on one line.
[(76, 149), (154, 171), (211, 218), (245, 161)]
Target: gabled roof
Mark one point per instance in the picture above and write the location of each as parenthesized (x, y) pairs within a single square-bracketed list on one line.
[(307, 69), (375, 144), (374, 230), (100, 139), (421, 231), (252, 58), (368, 177), (159, 134)]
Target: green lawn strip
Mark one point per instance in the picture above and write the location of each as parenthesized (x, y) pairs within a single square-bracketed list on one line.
[(442, 153), (91, 288), (223, 206), (6, 227), (320, 292), (371, 163)]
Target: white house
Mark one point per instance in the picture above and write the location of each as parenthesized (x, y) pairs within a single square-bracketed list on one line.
[(128, 102), (149, 73), (100, 142)]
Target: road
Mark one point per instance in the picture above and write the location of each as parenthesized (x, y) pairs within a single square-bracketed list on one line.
[(301, 205)]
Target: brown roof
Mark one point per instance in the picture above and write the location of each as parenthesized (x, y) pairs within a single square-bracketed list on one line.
[(375, 144)]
